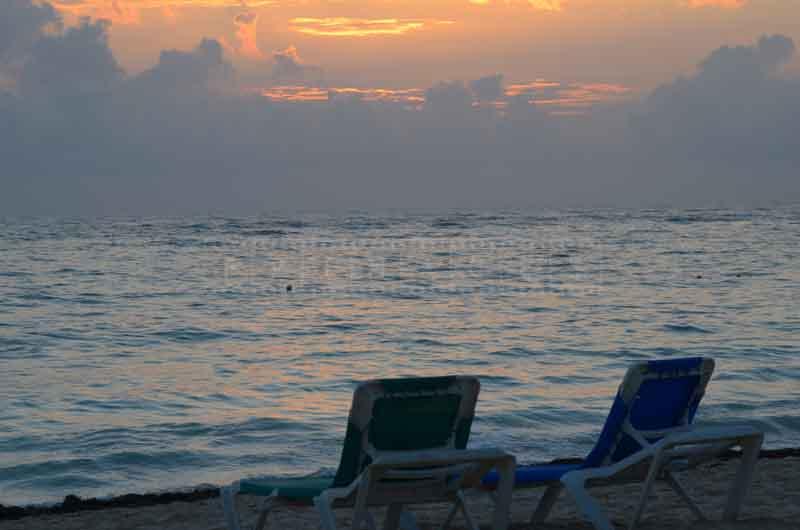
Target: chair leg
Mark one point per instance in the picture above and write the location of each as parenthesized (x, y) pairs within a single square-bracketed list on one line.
[(451, 514), (361, 514), (546, 503), (505, 487), (679, 489), (471, 524), (744, 476), (647, 487), (392, 521), (228, 497), (266, 508), (324, 506), (588, 507)]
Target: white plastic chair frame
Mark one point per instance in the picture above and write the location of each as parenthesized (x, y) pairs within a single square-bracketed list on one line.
[(675, 452), (401, 479), (680, 448), (397, 480)]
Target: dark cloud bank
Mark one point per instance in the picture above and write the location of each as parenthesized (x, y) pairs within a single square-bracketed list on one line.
[(79, 136)]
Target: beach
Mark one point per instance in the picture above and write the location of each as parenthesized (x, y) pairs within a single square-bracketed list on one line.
[(287, 245), (772, 504)]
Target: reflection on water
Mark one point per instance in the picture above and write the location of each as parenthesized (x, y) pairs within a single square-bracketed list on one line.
[(145, 354)]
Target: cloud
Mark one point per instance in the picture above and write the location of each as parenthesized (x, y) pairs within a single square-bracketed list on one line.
[(247, 35), (79, 137), (21, 24), (289, 67), (547, 5), (287, 63), (732, 123), (568, 99), (129, 11), (122, 12), (725, 4), (360, 27), (550, 97), (452, 96), (743, 63), (185, 75), (489, 88), (543, 5), (408, 97), (77, 61)]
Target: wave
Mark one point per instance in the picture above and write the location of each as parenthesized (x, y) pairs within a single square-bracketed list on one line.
[(189, 335), (686, 328), (711, 217)]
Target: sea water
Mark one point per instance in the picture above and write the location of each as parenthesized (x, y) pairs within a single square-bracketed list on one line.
[(150, 354)]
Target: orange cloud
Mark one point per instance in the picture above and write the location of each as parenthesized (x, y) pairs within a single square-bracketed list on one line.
[(529, 88), (169, 14), (413, 97), (117, 11), (247, 35), (555, 98), (725, 4), (359, 27), (544, 5), (295, 93), (570, 99)]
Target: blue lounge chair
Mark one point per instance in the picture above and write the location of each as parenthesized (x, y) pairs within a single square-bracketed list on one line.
[(405, 444), (648, 435)]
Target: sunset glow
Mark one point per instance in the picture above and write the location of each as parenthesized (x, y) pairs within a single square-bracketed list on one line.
[(726, 4), (545, 5), (359, 27), (557, 99), (416, 43)]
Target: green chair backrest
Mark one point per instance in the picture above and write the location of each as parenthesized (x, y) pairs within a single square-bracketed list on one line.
[(411, 414)]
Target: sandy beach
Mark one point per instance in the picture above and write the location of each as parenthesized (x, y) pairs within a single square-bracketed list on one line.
[(773, 504)]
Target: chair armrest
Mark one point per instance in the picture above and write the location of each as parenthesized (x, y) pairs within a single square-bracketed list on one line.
[(703, 435), (674, 446)]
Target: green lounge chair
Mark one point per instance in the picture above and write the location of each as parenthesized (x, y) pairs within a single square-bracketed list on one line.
[(405, 444)]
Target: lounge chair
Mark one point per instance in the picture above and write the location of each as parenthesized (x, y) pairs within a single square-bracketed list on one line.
[(405, 444), (648, 435)]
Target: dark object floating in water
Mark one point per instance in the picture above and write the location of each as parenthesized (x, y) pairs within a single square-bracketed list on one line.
[(289, 288)]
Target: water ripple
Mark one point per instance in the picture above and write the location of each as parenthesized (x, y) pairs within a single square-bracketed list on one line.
[(144, 354)]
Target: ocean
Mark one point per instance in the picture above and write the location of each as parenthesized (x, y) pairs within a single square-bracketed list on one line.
[(152, 354)]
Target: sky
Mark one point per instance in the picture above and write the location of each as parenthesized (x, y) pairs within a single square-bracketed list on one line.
[(126, 107)]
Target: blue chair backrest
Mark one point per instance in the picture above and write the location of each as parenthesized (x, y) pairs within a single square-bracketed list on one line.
[(654, 396)]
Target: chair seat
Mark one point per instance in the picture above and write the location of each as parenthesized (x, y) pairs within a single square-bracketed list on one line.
[(532, 476), (297, 489)]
